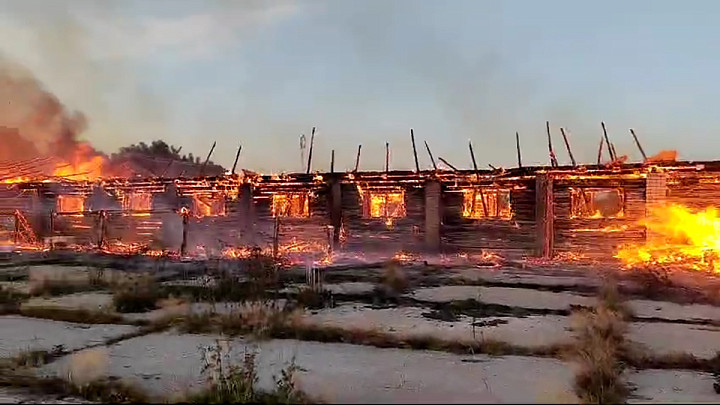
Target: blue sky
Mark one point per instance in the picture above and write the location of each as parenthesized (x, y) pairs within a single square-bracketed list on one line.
[(262, 73)]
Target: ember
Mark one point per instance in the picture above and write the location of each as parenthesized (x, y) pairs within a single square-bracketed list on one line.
[(386, 205), (290, 205)]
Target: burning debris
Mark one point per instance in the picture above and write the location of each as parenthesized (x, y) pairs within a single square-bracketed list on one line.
[(677, 237)]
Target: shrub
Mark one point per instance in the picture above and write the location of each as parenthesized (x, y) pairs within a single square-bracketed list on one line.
[(139, 295), (233, 384), (394, 279), (600, 343)]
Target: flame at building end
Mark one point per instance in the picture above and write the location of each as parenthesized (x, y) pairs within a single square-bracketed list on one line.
[(679, 237)]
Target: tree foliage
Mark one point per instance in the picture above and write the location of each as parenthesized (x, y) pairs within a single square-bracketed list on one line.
[(160, 149)]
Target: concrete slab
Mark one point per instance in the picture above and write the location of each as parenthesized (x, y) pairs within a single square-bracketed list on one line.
[(664, 386), (18, 334), (665, 338), (531, 331), (167, 364), (519, 297), (672, 311)]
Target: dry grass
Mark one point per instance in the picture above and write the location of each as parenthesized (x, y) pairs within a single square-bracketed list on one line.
[(257, 319), (71, 315), (35, 358), (394, 280), (312, 299), (60, 281), (10, 300), (600, 345), (236, 384), (100, 390), (87, 366), (136, 295)]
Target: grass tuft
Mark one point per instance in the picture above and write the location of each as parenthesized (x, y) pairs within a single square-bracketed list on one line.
[(139, 295), (600, 345), (236, 384)]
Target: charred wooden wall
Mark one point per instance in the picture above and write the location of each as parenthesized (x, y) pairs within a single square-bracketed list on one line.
[(697, 190), (510, 237), (12, 198), (295, 233), (598, 236), (376, 235)]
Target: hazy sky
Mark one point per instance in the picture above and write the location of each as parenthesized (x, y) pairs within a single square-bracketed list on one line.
[(261, 73)]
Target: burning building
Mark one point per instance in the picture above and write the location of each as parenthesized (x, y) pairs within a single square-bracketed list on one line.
[(598, 212), (56, 189)]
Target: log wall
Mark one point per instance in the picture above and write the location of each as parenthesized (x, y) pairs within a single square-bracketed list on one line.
[(513, 237), (598, 237), (375, 235)]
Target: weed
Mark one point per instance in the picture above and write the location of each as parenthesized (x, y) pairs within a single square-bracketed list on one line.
[(262, 274), (313, 299), (110, 391), (233, 384), (37, 358), (139, 295), (10, 300), (600, 345), (259, 319), (394, 280), (71, 315)]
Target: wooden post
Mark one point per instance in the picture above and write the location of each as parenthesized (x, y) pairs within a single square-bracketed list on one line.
[(102, 225), (202, 169), (185, 221), (607, 142), (332, 161), (517, 145), (477, 176), (431, 155), (612, 146), (412, 138), (246, 213), (276, 237), (447, 164), (567, 145), (387, 157), (433, 215), (642, 152), (336, 209), (357, 159), (16, 234), (600, 149), (237, 156), (544, 215), (312, 143), (553, 159)]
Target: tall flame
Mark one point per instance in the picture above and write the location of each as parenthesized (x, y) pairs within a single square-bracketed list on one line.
[(677, 236)]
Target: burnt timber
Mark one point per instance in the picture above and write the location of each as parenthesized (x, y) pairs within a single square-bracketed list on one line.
[(534, 210)]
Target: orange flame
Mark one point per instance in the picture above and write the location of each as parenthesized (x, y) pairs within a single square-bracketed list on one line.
[(677, 236), (84, 164)]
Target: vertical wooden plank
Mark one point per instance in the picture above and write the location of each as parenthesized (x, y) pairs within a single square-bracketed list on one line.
[(432, 215), (544, 215), (336, 210), (246, 213)]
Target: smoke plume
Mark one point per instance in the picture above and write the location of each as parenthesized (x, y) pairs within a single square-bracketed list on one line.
[(33, 122)]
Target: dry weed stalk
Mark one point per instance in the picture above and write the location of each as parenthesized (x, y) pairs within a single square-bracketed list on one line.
[(600, 342)]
